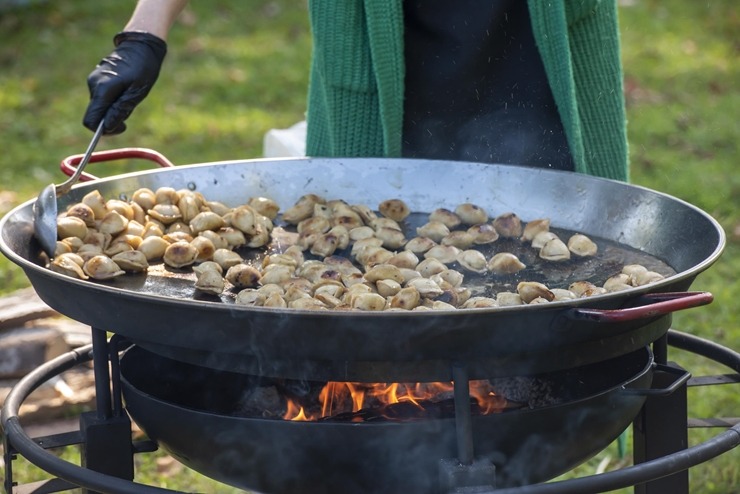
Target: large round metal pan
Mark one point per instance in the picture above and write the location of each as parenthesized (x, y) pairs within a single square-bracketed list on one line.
[(162, 312), (193, 412)]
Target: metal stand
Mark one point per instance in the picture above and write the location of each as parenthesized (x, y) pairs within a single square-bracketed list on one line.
[(464, 474), (69, 476), (104, 436), (106, 433), (660, 430)]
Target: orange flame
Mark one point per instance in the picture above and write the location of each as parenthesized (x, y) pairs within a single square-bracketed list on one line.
[(340, 397), (295, 412)]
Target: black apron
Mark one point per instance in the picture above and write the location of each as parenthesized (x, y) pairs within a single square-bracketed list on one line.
[(475, 87)]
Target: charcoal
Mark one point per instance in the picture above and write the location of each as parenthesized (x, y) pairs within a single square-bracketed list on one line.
[(402, 411), (532, 391), (260, 401)]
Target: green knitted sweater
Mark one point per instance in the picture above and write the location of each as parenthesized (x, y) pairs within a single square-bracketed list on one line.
[(355, 99)]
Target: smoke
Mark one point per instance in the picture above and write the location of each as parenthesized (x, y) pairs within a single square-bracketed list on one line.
[(186, 409)]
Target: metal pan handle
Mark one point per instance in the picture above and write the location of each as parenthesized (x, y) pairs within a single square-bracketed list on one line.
[(651, 305), (681, 377), (69, 164)]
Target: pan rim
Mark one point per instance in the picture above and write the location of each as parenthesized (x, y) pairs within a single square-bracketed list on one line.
[(659, 286)]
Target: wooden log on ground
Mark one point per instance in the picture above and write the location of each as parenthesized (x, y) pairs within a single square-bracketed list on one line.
[(22, 306)]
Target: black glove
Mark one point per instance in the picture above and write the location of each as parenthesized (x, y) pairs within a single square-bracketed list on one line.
[(122, 79)]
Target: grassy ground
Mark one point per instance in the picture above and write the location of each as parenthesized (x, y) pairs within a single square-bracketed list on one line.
[(237, 69)]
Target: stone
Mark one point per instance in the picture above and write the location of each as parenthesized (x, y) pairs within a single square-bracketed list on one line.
[(24, 349)]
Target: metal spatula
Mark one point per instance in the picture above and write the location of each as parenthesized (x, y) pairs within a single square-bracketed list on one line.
[(45, 208)]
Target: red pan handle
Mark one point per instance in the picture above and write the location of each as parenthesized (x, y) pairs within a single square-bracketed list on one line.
[(69, 164), (652, 305)]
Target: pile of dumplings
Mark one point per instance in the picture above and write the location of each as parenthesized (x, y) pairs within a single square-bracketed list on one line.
[(341, 256)]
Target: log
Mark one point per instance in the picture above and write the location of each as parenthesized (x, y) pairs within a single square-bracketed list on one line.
[(24, 349), (21, 307)]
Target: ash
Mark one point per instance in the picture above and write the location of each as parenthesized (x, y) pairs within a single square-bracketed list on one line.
[(534, 392), (260, 401)]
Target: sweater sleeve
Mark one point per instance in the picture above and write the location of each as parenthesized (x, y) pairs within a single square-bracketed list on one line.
[(579, 45), (355, 100)]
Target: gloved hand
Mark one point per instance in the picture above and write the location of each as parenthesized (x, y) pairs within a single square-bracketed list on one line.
[(122, 79)]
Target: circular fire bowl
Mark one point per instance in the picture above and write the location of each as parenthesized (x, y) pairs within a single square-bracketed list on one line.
[(192, 412)]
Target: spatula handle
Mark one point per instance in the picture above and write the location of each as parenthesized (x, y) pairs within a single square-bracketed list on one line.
[(64, 188)]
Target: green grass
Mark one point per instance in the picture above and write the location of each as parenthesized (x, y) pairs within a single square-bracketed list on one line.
[(236, 69)]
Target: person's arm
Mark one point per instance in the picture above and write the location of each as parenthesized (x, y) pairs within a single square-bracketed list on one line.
[(124, 78), (155, 16)]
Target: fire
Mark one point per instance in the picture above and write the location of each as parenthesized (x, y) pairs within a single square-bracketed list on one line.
[(295, 412), (347, 397)]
